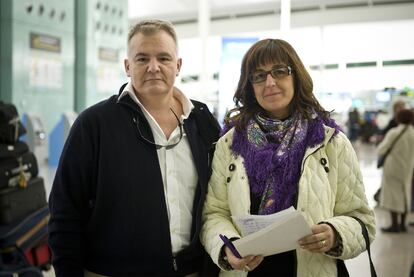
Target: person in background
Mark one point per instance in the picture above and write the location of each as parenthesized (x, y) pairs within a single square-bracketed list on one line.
[(398, 168), (392, 123), (354, 124), (396, 107), (381, 120), (280, 148), (131, 182)]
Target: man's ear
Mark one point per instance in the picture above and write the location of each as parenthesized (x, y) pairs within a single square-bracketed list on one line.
[(126, 66), (179, 63)]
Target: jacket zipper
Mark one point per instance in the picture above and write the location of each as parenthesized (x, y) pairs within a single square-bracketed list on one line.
[(301, 172), (310, 154), (297, 196), (317, 149)]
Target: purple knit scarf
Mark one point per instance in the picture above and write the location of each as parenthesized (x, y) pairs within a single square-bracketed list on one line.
[(274, 177)]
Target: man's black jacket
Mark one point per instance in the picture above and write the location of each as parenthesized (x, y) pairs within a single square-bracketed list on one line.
[(108, 211)]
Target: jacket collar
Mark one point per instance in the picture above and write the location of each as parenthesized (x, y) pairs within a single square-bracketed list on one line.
[(128, 90), (128, 102), (329, 134)]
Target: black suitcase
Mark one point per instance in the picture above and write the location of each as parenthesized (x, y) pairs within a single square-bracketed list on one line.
[(10, 126), (14, 150), (15, 171), (17, 202), (21, 272), (19, 245)]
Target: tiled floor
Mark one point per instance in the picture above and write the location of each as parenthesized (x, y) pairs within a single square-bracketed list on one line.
[(392, 254)]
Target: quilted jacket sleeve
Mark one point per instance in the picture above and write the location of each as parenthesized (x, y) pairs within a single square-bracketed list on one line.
[(350, 200), (216, 213)]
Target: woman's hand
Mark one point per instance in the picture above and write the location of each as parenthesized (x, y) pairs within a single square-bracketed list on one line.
[(247, 263), (322, 240)]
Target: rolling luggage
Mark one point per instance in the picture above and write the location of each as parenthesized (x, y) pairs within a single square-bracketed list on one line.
[(23, 245), (15, 171), (17, 202), (10, 126), (22, 272), (14, 150)]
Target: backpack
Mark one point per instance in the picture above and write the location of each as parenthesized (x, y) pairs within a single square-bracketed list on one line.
[(10, 126)]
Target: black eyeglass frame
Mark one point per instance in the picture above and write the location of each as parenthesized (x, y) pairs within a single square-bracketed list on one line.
[(272, 73), (159, 146)]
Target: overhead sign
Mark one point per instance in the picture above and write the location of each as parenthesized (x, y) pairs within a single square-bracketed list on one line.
[(45, 42)]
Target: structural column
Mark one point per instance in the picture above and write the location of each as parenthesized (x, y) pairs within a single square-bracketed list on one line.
[(284, 17), (203, 31)]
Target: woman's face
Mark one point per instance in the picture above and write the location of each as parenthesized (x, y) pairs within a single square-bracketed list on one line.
[(274, 89)]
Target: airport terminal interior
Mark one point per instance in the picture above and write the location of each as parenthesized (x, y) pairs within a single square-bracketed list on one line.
[(60, 57)]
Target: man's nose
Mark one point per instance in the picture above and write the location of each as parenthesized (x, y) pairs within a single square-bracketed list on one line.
[(153, 65)]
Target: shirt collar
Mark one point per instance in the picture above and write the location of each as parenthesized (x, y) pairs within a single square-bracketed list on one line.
[(178, 94)]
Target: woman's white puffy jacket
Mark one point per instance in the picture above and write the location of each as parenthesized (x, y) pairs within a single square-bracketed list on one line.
[(331, 193)]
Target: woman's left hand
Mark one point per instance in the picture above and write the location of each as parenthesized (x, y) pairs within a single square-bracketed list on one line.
[(322, 239)]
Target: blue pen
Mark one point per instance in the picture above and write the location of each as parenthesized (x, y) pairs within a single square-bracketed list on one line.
[(230, 245)]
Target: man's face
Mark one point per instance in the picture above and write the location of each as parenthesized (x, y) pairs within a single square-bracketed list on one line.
[(152, 63)]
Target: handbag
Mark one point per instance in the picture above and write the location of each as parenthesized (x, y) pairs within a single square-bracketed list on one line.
[(342, 271), (381, 158)]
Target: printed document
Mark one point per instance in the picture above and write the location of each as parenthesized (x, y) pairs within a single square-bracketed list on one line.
[(270, 234)]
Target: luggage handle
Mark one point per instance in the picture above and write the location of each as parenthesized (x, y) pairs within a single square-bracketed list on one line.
[(15, 122)]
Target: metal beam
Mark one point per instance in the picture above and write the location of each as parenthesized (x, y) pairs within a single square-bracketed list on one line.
[(265, 22)]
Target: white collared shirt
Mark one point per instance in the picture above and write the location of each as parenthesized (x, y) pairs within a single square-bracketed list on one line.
[(178, 171)]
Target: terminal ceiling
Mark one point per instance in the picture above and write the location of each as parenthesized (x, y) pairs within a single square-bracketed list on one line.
[(186, 11)]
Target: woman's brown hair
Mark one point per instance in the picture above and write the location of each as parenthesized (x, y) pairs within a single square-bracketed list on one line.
[(405, 116), (264, 52)]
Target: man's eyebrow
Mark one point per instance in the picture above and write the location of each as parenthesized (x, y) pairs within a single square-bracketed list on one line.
[(158, 55), (141, 54), (164, 54)]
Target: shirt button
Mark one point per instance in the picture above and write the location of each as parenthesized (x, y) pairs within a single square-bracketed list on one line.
[(323, 161), (228, 179), (232, 167)]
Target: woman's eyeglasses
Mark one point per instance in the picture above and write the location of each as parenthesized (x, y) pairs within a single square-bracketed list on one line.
[(277, 72), (159, 146)]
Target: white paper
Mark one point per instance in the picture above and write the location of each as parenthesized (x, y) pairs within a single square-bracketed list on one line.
[(281, 233), (252, 223)]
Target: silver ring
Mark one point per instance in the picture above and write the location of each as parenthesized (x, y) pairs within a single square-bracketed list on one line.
[(323, 242)]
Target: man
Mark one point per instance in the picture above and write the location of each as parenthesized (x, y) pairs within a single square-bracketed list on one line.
[(354, 124), (128, 193), (396, 107)]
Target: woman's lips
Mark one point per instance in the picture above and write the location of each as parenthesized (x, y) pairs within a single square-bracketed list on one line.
[(272, 94)]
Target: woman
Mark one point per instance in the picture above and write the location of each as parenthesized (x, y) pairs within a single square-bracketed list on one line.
[(395, 193), (281, 149)]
